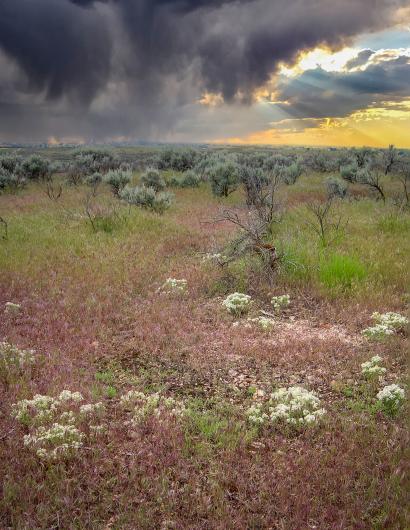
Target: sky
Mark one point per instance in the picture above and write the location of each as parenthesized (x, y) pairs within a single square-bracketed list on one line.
[(295, 72)]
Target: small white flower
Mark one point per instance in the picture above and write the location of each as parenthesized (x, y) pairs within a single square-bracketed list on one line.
[(131, 398), (391, 392), (386, 324), (98, 429), (391, 398), (14, 360), (256, 415), (67, 395), (55, 442), (143, 405), (377, 332), (11, 307), (55, 423), (172, 285), (372, 368), (237, 303), (392, 320), (280, 302), (263, 322), (295, 405), (217, 257), (91, 409)]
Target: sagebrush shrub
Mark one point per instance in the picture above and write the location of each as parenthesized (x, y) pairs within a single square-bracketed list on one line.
[(93, 180), (254, 180), (148, 198), (224, 179), (117, 179), (11, 163), (291, 173), (372, 178), (189, 179), (336, 188), (11, 181), (96, 160), (36, 168), (153, 179), (349, 172), (177, 159)]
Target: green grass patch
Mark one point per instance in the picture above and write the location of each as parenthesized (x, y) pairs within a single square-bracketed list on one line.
[(213, 426), (341, 272)]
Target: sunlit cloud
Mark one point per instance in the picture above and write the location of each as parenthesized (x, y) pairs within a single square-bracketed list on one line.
[(210, 99), (375, 127), (320, 58)]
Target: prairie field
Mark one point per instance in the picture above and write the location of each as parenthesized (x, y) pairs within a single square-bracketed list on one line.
[(180, 421)]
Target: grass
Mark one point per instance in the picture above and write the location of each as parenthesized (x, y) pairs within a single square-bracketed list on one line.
[(380, 255), (341, 272), (91, 310)]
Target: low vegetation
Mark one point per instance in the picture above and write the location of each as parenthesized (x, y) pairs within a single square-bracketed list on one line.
[(204, 338)]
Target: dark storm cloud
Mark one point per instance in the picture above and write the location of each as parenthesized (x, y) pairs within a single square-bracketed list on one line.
[(318, 94), (150, 59), (58, 49)]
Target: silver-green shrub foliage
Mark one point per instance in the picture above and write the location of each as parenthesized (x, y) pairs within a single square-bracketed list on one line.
[(146, 197), (117, 179), (153, 179)]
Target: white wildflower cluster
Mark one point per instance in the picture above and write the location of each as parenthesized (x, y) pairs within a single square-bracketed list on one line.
[(237, 303), (143, 405), (13, 360), (296, 406), (280, 302), (55, 442), (372, 368), (263, 322), (172, 285), (256, 414), (391, 398), (12, 308), (386, 324), (57, 424), (173, 407), (216, 257), (391, 320), (35, 411), (68, 396), (377, 332), (92, 409)]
